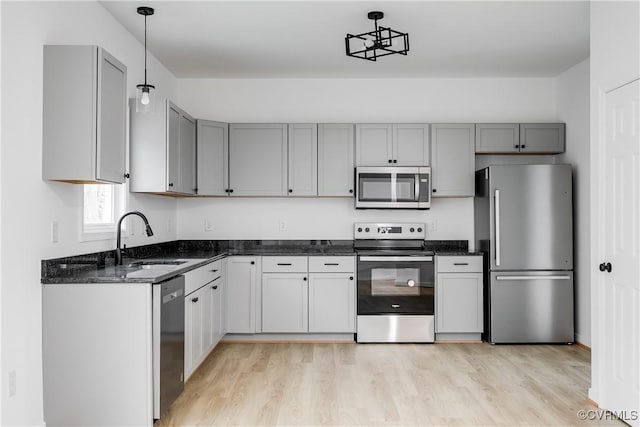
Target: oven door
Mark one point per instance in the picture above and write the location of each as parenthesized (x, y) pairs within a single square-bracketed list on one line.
[(395, 285)]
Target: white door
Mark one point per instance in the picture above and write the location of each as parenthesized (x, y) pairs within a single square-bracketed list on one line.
[(618, 291)]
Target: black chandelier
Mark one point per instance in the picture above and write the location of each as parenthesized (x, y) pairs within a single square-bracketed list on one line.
[(380, 42), (144, 94)]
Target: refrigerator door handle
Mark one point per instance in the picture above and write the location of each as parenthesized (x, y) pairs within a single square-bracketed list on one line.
[(497, 202), (533, 277)]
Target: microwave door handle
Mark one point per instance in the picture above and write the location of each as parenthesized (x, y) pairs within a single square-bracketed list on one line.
[(394, 190), (417, 187)]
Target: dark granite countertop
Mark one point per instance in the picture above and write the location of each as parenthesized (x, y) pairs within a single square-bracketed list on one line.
[(99, 267)]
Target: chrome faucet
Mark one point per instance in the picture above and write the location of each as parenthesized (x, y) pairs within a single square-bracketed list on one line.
[(119, 232)]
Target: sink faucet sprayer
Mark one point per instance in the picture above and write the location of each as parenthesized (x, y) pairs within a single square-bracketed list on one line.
[(119, 231)]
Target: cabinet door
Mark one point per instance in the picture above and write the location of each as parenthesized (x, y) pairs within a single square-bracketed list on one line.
[(212, 158), (173, 147), (241, 295), (193, 316), (215, 319), (453, 158), (187, 183), (459, 303), (335, 160), (497, 138), (207, 324), (542, 137), (411, 144), (303, 159), (374, 144), (332, 302), (258, 159), (112, 111), (284, 302)]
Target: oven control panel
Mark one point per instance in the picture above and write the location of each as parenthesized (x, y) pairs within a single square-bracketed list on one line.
[(371, 230)]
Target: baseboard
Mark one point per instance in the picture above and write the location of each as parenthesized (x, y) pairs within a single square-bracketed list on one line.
[(583, 340), (592, 402), (583, 346), (289, 338)]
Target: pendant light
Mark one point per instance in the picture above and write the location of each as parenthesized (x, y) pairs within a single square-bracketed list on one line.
[(145, 93), (382, 41)]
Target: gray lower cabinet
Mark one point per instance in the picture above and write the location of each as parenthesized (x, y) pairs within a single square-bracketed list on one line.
[(459, 296), (382, 144), (241, 290), (523, 138), (284, 302), (163, 150), (84, 115), (332, 302), (212, 158), (303, 160), (453, 159), (197, 307), (335, 160), (258, 159)]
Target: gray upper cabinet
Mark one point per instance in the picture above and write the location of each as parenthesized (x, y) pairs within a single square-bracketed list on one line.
[(303, 160), (452, 153), (374, 144), (163, 150), (258, 159), (497, 138), (392, 144), (212, 158), (335, 160), (542, 137), (84, 115), (411, 145)]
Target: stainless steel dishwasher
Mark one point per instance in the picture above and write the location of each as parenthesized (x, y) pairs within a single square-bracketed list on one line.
[(168, 343)]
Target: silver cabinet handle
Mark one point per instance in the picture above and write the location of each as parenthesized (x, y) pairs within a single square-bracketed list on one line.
[(497, 227), (533, 277)]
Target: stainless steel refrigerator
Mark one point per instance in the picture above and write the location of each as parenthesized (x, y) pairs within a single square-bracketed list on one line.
[(524, 225)]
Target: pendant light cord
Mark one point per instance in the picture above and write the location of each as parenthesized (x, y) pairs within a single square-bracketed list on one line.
[(145, 50)]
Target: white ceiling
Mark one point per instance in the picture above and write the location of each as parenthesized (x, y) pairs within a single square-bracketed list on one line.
[(305, 39)]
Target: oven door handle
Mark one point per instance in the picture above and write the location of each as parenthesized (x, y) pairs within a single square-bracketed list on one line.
[(395, 258)]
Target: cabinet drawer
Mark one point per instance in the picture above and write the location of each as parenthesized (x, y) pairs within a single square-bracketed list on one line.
[(331, 264), (200, 276), (459, 264), (284, 264)]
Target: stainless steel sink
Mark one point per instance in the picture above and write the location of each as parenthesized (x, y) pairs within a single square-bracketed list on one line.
[(153, 264)]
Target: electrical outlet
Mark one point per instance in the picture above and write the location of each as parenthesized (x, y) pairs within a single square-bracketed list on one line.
[(283, 225), (54, 231), (12, 383), (169, 225), (208, 225), (433, 226)]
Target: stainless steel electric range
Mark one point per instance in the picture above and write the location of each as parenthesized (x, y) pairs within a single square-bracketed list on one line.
[(395, 283)]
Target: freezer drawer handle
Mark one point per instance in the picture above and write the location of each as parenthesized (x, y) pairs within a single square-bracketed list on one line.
[(497, 227), (533, 277)]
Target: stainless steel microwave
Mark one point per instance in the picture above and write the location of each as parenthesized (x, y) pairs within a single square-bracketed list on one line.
[(395, 187)]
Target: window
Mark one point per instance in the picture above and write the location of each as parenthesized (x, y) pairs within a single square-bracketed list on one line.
[(102, 206)]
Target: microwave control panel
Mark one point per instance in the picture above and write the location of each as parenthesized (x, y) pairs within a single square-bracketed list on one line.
[(369, 230)]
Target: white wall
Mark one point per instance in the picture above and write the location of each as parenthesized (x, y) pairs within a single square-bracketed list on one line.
[(572, 94), (614, 61), (30, 204), (347, 101)]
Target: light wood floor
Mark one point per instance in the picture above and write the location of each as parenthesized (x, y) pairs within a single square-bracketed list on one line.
[(300, 384)]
